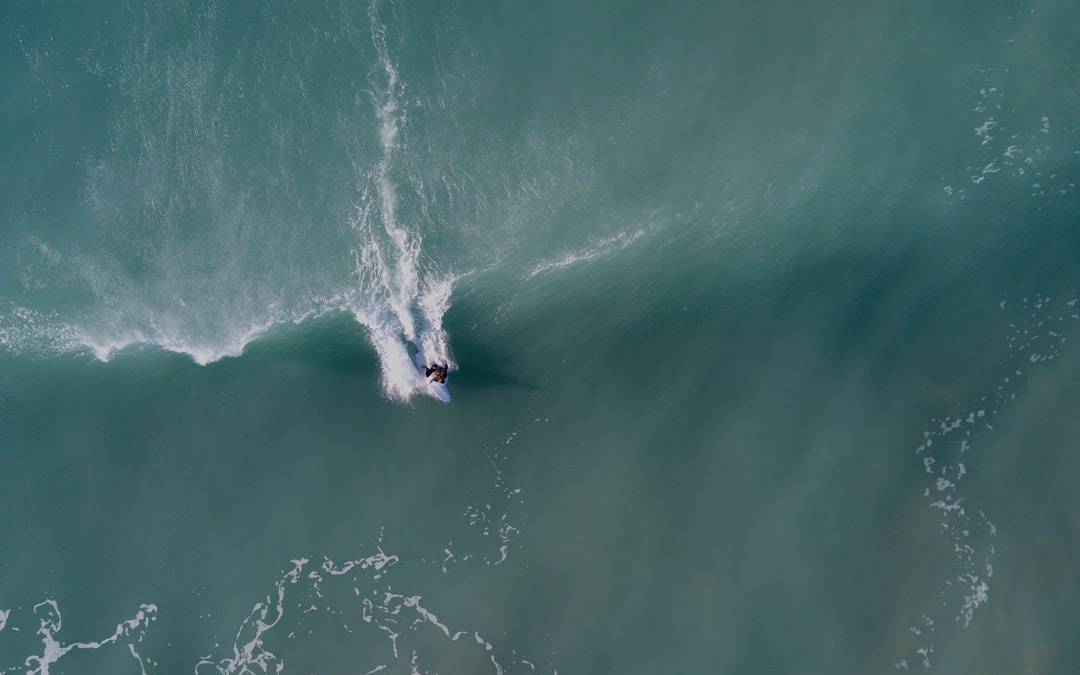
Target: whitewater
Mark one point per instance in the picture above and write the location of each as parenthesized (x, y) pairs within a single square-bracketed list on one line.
[(398, 291)]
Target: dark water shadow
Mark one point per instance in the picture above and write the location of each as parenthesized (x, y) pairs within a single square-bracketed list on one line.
[(481, 378), (483, 358), (333, 343)]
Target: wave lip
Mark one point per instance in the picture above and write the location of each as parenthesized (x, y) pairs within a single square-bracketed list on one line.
[(203, 354), (597, 249)]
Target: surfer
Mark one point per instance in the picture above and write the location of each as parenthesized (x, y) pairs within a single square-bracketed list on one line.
[(436, 373)]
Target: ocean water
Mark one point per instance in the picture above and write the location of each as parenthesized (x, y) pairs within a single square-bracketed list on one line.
[(763, 319)]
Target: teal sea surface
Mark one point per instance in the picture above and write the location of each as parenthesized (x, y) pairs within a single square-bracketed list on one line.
[(762, 321)]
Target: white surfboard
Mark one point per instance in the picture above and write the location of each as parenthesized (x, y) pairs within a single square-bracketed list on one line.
[(436, 390)]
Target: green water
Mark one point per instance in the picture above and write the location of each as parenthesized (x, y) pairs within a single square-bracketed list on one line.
[(761, 320)]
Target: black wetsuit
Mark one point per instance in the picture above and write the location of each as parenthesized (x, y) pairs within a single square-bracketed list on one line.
[(439, 371)]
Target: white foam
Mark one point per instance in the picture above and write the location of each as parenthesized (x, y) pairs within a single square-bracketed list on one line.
[(978, 595), (400, 379), (400, 303), (53, 649), (434, 301), (394, 292), (105, 347), (23, 329), (395, 615), (983, 130), (601, 247), (1032, 340)]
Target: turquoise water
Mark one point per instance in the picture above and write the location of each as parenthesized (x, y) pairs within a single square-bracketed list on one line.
[(763, 320)]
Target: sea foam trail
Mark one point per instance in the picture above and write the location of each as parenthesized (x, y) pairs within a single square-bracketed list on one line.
[(388, 261), (596, 249), (129, 632), (944, 451)]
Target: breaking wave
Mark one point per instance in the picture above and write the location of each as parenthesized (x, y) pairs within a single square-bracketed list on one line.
[(188, 257)]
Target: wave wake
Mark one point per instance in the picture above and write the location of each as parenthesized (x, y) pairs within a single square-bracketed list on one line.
[(405, 303)]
